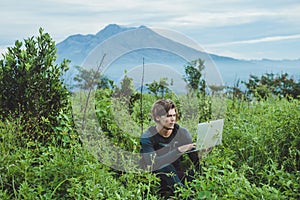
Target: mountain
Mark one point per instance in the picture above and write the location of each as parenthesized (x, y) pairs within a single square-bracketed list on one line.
[(76, 47), (140, 50)]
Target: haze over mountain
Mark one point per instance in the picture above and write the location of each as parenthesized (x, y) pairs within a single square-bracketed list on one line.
[(159, 52)]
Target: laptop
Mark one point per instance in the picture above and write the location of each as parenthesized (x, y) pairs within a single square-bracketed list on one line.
[(209, 134)]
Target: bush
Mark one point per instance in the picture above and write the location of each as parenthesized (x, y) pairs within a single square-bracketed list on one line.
[(31, 85), (259, 158), (55, 172)]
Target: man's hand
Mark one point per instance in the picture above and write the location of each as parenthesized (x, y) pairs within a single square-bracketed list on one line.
[(204, 152), (187, 147)]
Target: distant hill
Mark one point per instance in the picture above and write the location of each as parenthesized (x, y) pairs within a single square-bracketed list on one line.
[(78, 48)]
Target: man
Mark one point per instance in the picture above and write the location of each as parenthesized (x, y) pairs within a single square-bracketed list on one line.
[(163, 145)]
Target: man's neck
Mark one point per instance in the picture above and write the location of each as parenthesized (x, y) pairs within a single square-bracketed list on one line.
[(163, 131)]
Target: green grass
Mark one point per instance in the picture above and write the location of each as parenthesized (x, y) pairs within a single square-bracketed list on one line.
[(259, 159)]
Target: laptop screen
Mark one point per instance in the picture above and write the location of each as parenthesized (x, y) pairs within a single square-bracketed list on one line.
[(209, 134)]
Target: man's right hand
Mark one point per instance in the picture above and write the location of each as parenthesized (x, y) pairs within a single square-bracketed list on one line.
[(187, 147)]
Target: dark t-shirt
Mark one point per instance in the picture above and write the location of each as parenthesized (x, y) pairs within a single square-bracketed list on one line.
[(158, 151)]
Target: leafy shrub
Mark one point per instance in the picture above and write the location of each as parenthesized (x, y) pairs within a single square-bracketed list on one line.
[(259, 158), (271, 84), (220, 180), (265, 138), (42, 158), (31, 85), (55, 172), (108, 123)]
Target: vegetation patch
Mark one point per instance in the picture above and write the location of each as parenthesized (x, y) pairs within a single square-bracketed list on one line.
[(43, 153)]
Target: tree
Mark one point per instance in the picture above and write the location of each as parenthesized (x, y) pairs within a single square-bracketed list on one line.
[(105, 83), (127, 88), (87, 79), (271, 84), (197, 85), (193, 75), (160, 87), (31, 84)]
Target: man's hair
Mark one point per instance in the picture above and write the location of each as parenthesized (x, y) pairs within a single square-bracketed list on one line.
[(161, 108)]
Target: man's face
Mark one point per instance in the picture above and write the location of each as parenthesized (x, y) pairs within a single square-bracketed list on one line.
[(169, 119)]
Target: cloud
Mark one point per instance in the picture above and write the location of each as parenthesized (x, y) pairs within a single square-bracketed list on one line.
[(254, 41), (62, 18), (173, 14)]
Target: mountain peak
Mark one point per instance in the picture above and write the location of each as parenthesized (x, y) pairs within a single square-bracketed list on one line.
[(112, 29), (77, 47)]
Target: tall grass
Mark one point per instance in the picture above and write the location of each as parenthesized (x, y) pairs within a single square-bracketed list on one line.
[(259, 159)]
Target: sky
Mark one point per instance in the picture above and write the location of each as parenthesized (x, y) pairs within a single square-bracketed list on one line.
[(243, 29)]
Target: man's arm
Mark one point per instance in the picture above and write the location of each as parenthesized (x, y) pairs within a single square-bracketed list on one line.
[(192, 155), (151, 158)]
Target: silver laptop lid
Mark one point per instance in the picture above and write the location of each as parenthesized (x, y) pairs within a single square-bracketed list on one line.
[(209, 134)]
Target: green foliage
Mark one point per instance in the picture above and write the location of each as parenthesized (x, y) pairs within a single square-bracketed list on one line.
[(220, 180), (127, 88), (31, 85), (192, 107), (259, 158), (274, 139), (42, 158), (270, 84), (35, 171), (108, 111), (193, 75), (159, 89), (140, 111), (197, 86), (87, 79)]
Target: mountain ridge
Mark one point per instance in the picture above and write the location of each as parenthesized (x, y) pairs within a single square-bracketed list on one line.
[(77, 47)]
